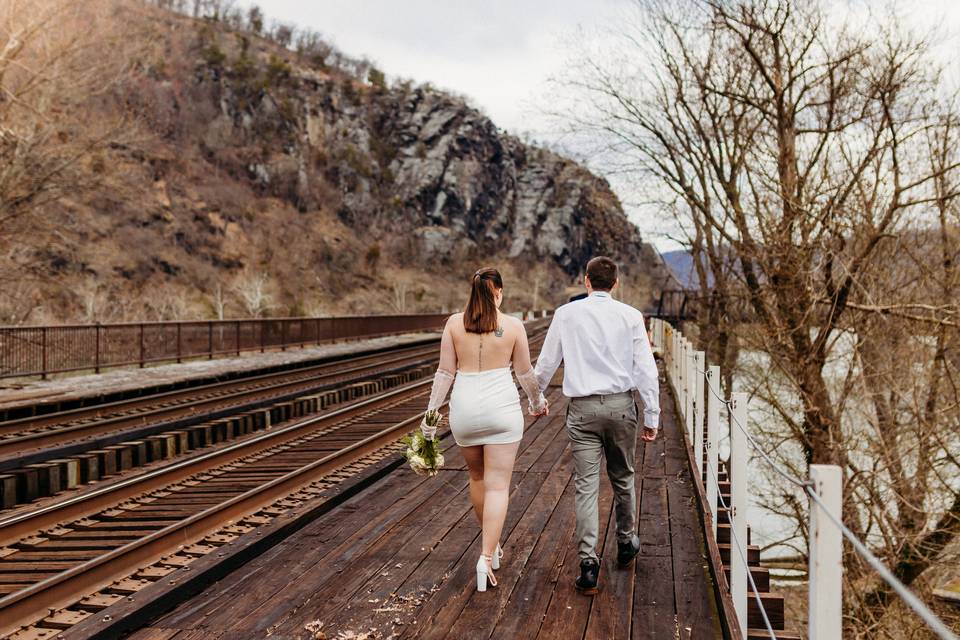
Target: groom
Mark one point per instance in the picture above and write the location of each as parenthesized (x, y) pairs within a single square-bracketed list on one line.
[(606, 354)]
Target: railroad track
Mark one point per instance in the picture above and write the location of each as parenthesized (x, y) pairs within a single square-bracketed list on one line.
[(93, 442), (18, 436), (76, 556)]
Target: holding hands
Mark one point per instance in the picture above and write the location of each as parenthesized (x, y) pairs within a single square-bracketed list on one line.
[(542, 407), (536, 403)]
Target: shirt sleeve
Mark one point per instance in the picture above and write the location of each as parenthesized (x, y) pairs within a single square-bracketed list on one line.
[(645, 375), (551, 354)]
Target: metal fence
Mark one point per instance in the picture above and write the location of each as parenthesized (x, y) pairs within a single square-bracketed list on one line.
[(40, 350), (696, 386)]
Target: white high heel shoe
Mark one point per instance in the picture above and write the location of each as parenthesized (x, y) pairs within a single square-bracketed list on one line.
[(484, 574), (495, 560)]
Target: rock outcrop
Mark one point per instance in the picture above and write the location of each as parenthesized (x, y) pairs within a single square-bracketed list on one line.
[(255, 169)]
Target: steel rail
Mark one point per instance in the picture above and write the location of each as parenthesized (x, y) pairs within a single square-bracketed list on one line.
[(18, 445), (20, 525), (108, 410), (59, 590)]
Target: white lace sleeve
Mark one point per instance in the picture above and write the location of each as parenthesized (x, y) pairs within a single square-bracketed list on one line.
[(535, 399), (442, 380)]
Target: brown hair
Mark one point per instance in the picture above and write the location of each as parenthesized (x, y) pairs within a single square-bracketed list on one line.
[(602, 272), (480, 315)]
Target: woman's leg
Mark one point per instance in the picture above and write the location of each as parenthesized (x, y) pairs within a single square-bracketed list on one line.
[(474, 458), (498, 462)]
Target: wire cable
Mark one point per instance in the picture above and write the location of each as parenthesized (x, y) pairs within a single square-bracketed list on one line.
[(912, 601), (909, 598), (776, 467), (743, 556)]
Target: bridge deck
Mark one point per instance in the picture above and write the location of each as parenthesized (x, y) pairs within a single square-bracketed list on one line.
[(397, 561)]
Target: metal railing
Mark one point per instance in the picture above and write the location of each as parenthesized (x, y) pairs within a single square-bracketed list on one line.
[(42, 350), (699, 397)]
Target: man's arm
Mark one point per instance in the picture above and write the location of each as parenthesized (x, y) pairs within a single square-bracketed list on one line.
[(550, 355), (645, 375)]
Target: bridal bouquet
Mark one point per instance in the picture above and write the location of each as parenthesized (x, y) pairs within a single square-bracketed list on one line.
[(423, 453)]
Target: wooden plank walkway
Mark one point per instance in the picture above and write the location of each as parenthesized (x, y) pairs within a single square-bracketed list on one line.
[(397, 561)]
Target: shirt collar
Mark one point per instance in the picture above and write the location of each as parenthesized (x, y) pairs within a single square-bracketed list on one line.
[(600, 294)]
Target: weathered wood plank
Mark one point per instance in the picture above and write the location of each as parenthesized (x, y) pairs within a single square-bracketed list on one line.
[(458, 582), (610, 613), (483, 610), (229, 601), (567, 615), (347, 558), (654, 609), (153, 633), (525, 611)]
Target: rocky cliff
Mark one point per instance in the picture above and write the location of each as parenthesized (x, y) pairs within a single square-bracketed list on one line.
[(261, 180)]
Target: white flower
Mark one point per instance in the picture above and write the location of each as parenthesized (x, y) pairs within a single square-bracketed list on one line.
[(419, 461)]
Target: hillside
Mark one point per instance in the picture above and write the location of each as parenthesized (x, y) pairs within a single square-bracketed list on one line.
[(255, 179)]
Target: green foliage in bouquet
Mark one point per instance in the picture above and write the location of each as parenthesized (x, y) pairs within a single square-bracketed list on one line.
[(423, 454)]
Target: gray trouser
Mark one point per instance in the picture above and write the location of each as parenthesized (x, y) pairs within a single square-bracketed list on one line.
[(598, 426)]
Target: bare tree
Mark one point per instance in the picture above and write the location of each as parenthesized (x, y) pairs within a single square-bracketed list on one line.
[(218, 301), (795, 153), (283, 34), (252, 288), (53, 58), (255, 20), (400, 289)]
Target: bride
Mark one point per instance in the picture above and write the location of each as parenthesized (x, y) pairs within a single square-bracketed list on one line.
[(479, 345)]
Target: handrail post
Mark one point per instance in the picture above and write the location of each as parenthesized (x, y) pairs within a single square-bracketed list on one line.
[(682, 370), (96, 349), (713, 440), (826, 555), (675, 360), (43, 348), (671, 348), (142, 348), (689, 386), (738, 507), (179, 341), (210, 340), (238, 337), (698, 377)]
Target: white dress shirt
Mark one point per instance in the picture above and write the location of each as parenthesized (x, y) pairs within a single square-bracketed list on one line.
[(604, 348)]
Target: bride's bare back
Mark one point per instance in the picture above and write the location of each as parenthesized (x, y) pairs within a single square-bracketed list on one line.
[(473, 352)]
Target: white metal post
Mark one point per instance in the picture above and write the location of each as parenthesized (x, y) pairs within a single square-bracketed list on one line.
[(682, 382), (673, 358), (713, 440), (678, 354), (826, 555), (690, 385), (738, 503), (699, 360)]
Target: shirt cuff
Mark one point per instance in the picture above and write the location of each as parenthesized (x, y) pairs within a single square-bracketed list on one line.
[(651, 419)]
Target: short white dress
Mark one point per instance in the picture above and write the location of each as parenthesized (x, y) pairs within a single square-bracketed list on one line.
[(485, 408)]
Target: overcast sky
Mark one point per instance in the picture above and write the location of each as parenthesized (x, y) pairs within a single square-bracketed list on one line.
[(501, 53), (496, 52)]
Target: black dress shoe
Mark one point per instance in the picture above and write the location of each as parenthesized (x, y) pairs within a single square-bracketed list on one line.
[(589, 574), (627, 551)]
